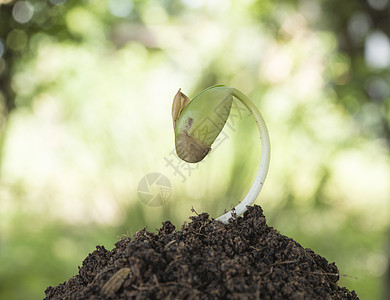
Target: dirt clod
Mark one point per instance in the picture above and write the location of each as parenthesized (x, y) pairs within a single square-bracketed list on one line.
[(245, 259)]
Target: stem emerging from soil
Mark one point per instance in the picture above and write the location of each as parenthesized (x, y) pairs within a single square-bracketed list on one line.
[(264, 161)]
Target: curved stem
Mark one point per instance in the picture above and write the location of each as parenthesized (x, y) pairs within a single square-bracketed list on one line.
[(264, 161)]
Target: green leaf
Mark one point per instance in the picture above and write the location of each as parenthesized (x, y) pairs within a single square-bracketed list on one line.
[(199, 122)]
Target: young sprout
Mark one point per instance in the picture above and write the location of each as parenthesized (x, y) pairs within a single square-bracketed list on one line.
[(197, 123)]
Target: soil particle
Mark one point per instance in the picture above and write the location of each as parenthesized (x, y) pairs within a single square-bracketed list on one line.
[(206, 259)]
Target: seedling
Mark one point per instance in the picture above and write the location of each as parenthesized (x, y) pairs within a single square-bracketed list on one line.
[(198, 122)]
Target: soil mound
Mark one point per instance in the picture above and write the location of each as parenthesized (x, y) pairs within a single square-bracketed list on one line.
[(245, 259)]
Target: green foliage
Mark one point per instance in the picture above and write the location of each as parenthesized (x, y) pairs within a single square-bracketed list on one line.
[(201, 121), (85, 98)]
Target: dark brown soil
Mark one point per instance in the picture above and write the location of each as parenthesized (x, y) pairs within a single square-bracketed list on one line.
[(206, 259)]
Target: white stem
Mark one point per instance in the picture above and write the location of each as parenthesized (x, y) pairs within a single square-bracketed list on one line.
[(264, 161)]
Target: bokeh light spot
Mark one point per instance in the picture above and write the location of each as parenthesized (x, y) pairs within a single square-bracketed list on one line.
[(377, 88), (154, 14), (22, 12), (17, 40), (57, 2), (193, 3), (376, 264), (378, 4), (2, 48), (339, 67), (359, 26), (120, 8), (83, 22), (377, 50)]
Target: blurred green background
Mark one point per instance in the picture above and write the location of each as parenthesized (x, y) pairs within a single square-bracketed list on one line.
[(85, 95)]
